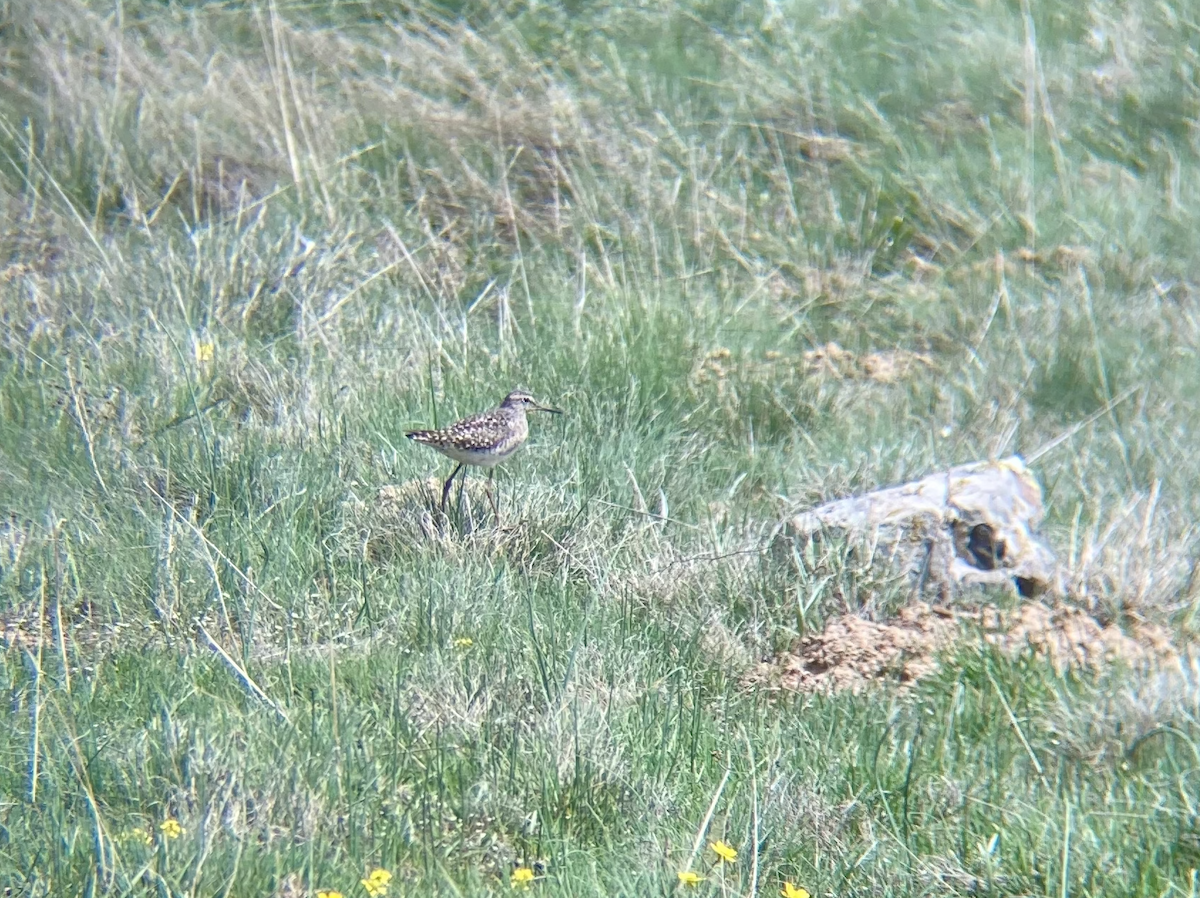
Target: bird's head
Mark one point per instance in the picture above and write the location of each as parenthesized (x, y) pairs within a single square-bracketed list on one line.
[(521, 399)]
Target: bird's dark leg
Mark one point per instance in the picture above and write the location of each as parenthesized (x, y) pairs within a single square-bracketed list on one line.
[(462, 486), (491, 497), (446, 488)]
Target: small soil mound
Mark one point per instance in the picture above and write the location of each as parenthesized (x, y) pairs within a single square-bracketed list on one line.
[(885, 367), (854, 654), (1071, 638)]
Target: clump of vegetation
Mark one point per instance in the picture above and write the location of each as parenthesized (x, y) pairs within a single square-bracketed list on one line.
[(243, 248)]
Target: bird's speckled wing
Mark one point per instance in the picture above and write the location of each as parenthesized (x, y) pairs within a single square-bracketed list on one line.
[(480, 439)]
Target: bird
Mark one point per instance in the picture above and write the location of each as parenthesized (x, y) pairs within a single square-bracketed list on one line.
[(484, 440)]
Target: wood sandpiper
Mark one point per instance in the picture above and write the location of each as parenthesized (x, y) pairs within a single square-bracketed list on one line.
[(484, 440)]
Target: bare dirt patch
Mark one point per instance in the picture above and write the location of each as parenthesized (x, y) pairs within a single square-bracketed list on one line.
[(887, 366), (854, 654), (74, 637), (827, 362), (1069, 637)]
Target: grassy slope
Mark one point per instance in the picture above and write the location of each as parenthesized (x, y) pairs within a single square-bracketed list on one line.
[(646, 216)]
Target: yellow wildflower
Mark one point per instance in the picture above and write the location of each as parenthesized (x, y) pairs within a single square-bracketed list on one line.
[(141, 835), (376, 882), (726, 853), (328, 894), (791, 891), (521, 877), (205, 350), (170, 828), (464, 642), (688, 878)]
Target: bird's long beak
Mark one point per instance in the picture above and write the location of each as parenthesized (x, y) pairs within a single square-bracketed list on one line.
[(546, 408)]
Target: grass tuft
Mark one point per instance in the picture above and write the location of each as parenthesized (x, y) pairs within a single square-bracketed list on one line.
[(763, 255)]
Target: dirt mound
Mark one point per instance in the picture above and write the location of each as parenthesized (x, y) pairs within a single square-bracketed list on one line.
[(887, 366), (1071, 638), (854, 654)]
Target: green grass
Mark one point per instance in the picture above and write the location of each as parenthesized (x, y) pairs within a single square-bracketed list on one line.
[(646, 216)]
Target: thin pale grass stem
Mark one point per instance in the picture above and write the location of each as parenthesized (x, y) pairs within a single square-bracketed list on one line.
[(204, 849), (753, 815), (35, 664), (1030, 124), (211, 546), (62, 194), (333, 704), (275, 52), (698, 844), (110, 126), (80, 417), (412, 263), (244, 678), (539, 655), (1060, 161), (1143, 541), (1016, 725), (56, 611), (512, 211), (1046, 448), (1065, 862), (102, 843), (333, 310), (1001, 296), (1101, 368), (227, 887), (306, 132), (648, 514)]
